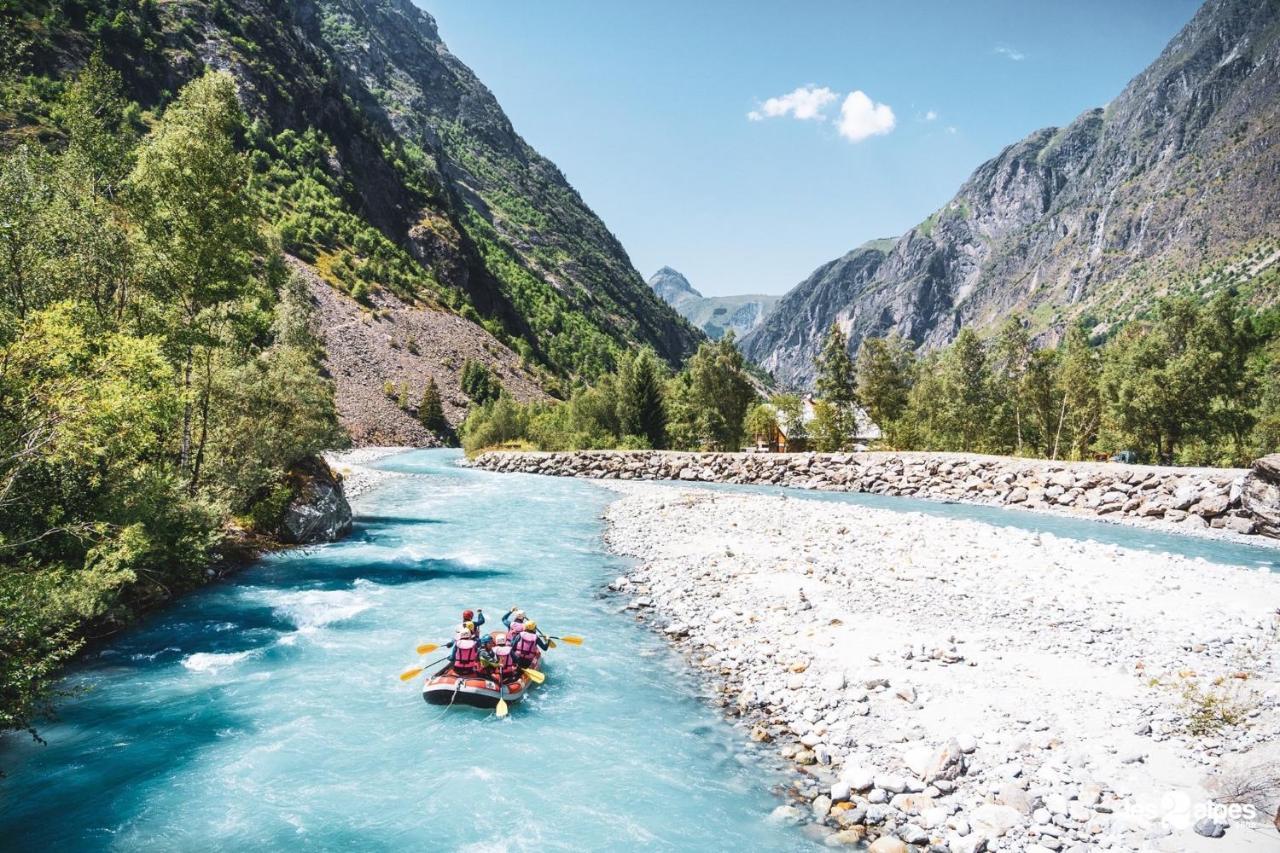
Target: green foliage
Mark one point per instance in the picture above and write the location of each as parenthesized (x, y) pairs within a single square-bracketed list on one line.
[(479, 383), (885, 372), (708, 400), (837, 386), (431, 410), (791, 418), (641, 399), (701, 407), (1196, 382), (761, 420), (158, 370)]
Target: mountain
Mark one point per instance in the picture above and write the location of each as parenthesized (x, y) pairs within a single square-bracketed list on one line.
[(386, 165), (714, 315), (672, 287), (1174, 185)]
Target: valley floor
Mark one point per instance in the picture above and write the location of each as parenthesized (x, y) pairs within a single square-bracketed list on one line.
[(951, 681)]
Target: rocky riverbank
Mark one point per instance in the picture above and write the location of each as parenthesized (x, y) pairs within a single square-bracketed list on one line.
[(357, 477), (952, 685), (1185, 499)]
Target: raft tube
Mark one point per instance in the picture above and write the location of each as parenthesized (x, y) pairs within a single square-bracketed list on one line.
[(447, 687)]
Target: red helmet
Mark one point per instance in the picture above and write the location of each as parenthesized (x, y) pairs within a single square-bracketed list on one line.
[(467, 616)]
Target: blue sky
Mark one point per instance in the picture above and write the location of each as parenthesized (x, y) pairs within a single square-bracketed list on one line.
[(647, 108)]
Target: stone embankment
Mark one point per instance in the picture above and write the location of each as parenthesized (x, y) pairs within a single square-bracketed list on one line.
[(1195, 499)]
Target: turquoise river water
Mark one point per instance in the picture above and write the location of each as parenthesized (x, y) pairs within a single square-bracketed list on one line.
[(265, 713)]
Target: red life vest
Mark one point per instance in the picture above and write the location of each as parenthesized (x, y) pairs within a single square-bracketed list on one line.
[(466, 653), (526, 645)]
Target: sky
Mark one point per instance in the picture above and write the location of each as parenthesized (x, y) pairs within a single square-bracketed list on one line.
[(746, 142)]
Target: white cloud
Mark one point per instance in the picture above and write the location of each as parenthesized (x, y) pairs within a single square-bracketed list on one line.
[(861, 117), (952, 130), (805, 103), (1011, 53), (931, 116)]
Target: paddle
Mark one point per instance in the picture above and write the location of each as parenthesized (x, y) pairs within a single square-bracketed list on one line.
[(501, 710), (534, 676), (426, 648), (410, 674), (573, 641)]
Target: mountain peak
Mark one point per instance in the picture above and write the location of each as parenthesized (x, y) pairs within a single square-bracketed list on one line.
[(672, 287)]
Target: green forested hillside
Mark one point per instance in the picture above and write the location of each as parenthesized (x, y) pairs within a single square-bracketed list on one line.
[(158, 372), (158, 163), (383, 161)]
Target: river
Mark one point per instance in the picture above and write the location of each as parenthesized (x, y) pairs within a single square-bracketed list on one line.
[(265, 712)]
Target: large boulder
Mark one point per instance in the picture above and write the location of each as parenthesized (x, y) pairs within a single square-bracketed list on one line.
[(318, 510), (1261, 494)]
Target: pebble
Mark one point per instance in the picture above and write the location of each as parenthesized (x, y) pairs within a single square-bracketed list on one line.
[(885, 621)]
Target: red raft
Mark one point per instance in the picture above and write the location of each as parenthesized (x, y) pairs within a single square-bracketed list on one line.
[(447, 687), (477, 689)]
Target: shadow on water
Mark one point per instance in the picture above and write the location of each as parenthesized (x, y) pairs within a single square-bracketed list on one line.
[(384, 521), (93, 736)]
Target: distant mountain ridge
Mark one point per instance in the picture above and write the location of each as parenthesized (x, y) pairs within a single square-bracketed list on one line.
[(1177, 176), (714, 315)]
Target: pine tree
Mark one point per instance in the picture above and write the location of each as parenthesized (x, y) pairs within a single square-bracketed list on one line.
[(641, 407), (885, 369), (431, 410), (837, 386)]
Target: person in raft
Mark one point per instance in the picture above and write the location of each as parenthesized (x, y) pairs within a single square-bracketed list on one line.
[(464, 650), (490, 664), (527, 646), (506, 663), (477, 618), (511, 617)]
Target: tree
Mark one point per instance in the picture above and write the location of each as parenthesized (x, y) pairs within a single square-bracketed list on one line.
[(966, 387), (641, 405), (761, 420), (716, 394), (1010, 360), (837, 385), (26, 190), (885, 369), (1081, 413), (791, 419), (96, 118), (431, 410), (1042, 402), (479, 383), (198, 235)]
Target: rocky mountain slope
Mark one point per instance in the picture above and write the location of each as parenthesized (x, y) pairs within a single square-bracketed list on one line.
[(1171, 186), (386, 165), (714, 315)]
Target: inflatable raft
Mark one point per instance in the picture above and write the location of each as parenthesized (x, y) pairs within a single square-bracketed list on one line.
[(447, 687)]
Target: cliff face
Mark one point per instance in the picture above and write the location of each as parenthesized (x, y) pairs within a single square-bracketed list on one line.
[(1173, 185), (359, 104)]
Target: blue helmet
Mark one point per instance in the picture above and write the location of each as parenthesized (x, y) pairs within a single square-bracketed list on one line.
[(486, 639)]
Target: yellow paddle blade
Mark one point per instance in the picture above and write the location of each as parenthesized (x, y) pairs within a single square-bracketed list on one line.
[(427, 648), (411, 673), (535, 676), (573, 641), (501, 710), (551, 644)]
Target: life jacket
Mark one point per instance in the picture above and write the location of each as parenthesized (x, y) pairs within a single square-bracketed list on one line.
[(526, 645), (506, 663), (466, 654)]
